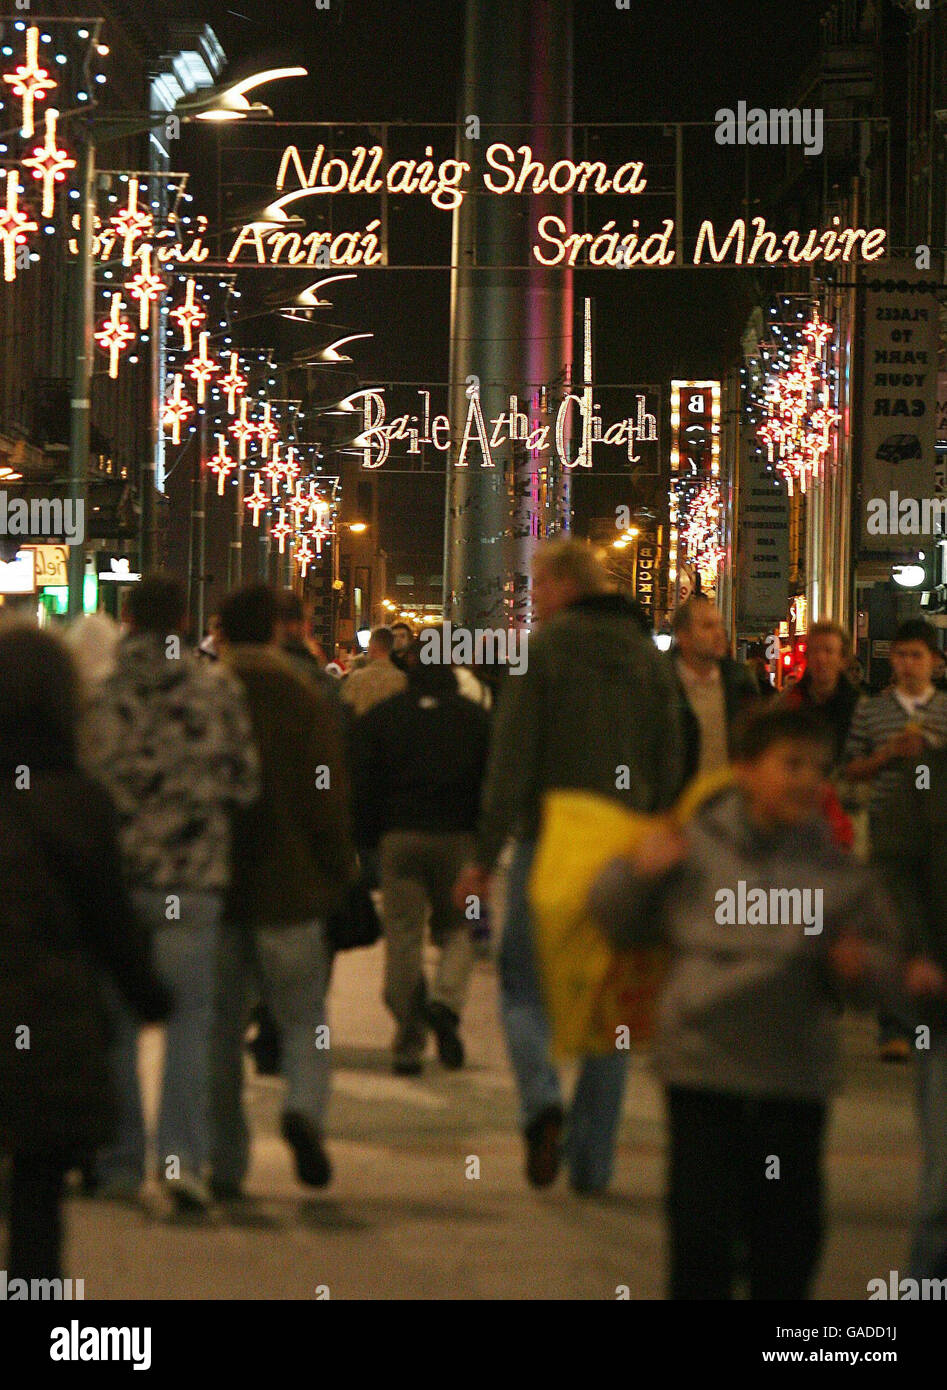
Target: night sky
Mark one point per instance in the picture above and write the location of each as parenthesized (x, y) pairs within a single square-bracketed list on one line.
[(665, 60)]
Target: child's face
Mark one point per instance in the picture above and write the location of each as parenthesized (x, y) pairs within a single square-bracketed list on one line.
[(913, 666), (785, 784)]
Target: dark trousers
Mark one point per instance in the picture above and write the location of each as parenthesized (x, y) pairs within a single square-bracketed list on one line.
[(35, 1216), (726, 1218)]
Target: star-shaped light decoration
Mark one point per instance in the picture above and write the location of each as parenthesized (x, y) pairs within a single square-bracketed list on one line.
[(177, 409), (146, 287), (115, 334), (233, 383), (221, 464), (49, 163), (29, 81), (188, 315), (202, 369), (15, 224), (131, 224)]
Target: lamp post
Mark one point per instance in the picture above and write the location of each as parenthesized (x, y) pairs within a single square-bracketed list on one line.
[(217, 104)]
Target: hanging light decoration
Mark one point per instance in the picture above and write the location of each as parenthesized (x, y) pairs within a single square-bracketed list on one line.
[(188, 315), (256, 501), (268, 432), (177, 409), (30, 82), (15, 224), (146, 287), (303, 555), (49, 163), (221, 464), (202, 369), (798, 417), (233, 383), (274, 468), (700, 530), (242, 430), (280, 530), (115, 334), (131, 224)]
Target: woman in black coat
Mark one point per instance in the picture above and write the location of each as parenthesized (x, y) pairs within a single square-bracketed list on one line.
[(64, 918)]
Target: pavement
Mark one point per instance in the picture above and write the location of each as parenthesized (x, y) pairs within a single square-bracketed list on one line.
[(406, 1217)]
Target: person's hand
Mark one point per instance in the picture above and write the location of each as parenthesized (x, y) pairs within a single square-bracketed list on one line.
[(849, 959), (923, 977), (472, 881), (909, 743), (658, 852)]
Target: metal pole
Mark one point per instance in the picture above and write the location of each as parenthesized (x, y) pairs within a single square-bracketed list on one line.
[(81, 398), (199, 522)]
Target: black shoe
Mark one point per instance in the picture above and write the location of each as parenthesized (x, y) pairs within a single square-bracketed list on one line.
[(542, 1146), (312, 1162), (407, 1066), (444, 1023)]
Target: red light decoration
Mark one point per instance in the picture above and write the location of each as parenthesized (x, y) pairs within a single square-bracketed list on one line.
[(243, 430), (29, 81), (233, 383), (15, 224), (177, 409), (304, 555), (202, 369), (267, 430), (798, 415), (49, 163), (146, 287), (131, 224), (298, 506), (274, 469), (115, 334), (290, 468), (221, 464), (700, 531), (321, 528), (188, 315)]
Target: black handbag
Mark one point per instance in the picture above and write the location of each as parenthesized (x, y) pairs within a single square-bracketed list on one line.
[(356, 922)]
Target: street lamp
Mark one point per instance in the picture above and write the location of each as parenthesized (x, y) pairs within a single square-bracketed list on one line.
[(216, 104)]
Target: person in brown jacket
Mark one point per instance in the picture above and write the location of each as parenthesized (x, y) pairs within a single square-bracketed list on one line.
[(292, 861)]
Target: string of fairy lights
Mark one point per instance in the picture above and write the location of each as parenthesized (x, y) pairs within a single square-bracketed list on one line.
[(141, 254)]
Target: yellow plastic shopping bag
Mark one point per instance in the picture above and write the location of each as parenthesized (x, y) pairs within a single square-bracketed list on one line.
[(590, 989)]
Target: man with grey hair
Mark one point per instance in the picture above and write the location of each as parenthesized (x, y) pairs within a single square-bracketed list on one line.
[(593, 711), (378, 680)]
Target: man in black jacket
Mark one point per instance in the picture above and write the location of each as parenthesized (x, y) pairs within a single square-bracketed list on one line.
[(712, 688), (418, 765)]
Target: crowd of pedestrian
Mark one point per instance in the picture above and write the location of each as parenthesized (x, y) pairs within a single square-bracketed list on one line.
[(182, 831)]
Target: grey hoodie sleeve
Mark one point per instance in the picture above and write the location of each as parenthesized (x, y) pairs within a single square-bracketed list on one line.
[(628, 907)]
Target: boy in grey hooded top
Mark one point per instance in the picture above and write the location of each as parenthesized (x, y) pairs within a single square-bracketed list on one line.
[(766, 921)]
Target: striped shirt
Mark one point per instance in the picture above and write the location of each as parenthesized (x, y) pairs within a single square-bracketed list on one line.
[(877, 718)]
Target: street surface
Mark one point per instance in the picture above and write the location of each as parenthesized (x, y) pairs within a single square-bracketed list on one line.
[(402, 1220)]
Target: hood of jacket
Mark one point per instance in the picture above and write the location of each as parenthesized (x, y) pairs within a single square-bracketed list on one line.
[(144, 665)]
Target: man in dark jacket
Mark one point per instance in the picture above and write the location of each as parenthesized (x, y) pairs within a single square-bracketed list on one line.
[(824, 685), (419, 761), (712, 688), (292, 862), (594, 710)]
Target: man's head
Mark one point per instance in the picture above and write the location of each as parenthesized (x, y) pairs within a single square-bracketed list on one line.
[(290, 617), (782, 758), (403, 636), (913, 654), (381, 644), (828, 652), (564, 571), (699, 632), (156, 605), (249, 616)]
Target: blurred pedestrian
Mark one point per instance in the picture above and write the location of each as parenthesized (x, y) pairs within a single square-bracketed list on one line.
[(419, 762), (402, 637), (66, 920), (378, 679), (892, 736), (93, 641), (713, 689), (593, 709), (292, 864), (746, 1044), (824, 684), (169, 737)]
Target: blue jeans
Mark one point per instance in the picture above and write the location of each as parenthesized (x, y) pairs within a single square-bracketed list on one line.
[(290, 967), (185, 952), (929, 1247), (596, 1104)]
